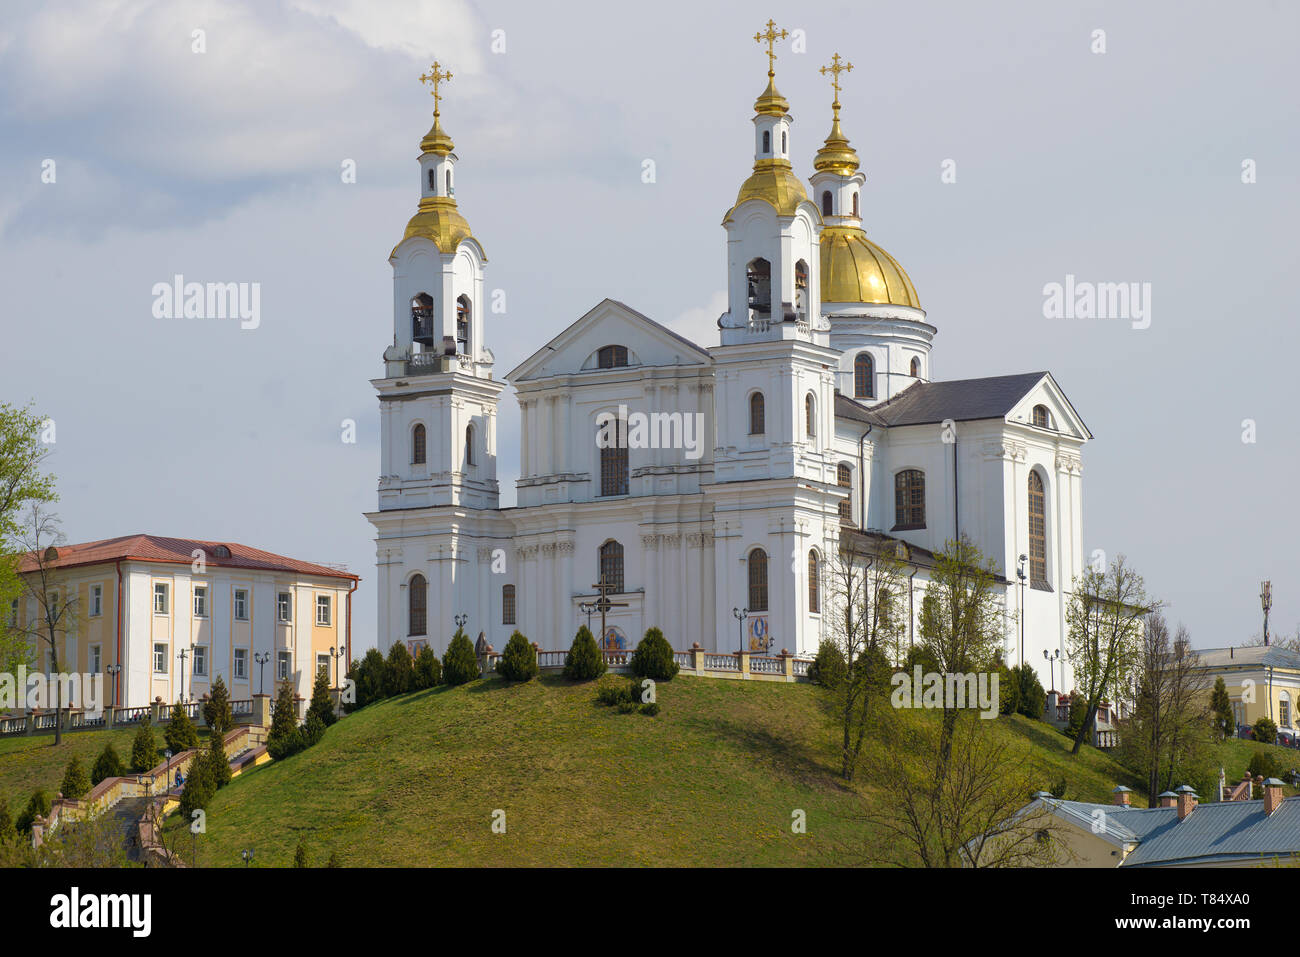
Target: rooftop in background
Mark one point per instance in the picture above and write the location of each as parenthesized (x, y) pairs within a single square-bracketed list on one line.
[(180, 551), (1257, 655)]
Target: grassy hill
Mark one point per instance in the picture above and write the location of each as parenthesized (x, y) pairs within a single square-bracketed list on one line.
[(712, 780)]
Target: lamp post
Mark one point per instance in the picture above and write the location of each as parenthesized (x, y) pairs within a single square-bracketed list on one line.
[(185, 653), (460, 620), (1052, 659), (261, 657), (1020, 573), (740, 615), (337, 656), (168, 755), (1266, 602), (114, 670), (587, 608)]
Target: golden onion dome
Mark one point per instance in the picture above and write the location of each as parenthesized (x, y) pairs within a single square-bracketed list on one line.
[(773, 181), (836, 155), (436, 140), (854, 269), (770, 102), (439, 220)]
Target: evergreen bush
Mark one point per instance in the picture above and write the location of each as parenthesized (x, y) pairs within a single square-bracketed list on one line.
[(75, 781), (459, 664), (399, 676), (428, 669), (107, 765), (180, 733), (322, 702), (584, 662), (144, 749), (37, 806), (828, 668), (653, 657), (216, 710), (1265, 731), (519, 660)]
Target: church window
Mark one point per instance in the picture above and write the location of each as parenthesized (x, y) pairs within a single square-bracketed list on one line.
[(767, 142), (611, 357), (417, 601), (422, 319), (417, 445), (1041, 417), (826, 202), (782, 144), (507, 604), (757, 425), (916, 368), (613, 463), (433, 183), (855, 204), (909, 499), (844, 479), (611, 567), (462, 325), (469, 445), (814, 584), (864, 376), (758, 276), (450, 191), (810, 415), (1037, 529), (757, 580)]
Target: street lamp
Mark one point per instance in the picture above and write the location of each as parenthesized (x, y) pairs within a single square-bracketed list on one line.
[(460, 620), (1266, 602), (740, 615), (337, 656), (1052, 659), (261, 657), (185, 652), (168, 755), (1020, 573), (113, 670), (587, 608)]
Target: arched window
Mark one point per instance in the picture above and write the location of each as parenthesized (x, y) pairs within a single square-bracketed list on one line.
[(450, 191), (844, 479), (826, 202), (757, 423), (758, 276), (864, 376), (507, 604), (433, 181), (613, 460), (417, 445), (810, 415), (1037, 529), (855, 204), (814, 585), (782, 144), (611, 566), (1042, 418), (909, 499), (422, 319), (916, 368), (611, 357), (417, 604), (757, 580), (469, 445), (767, 142), (462, 325)]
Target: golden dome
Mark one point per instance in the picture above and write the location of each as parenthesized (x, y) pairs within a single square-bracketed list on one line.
[(439, 220), (770, 102), (436, 140), (837, 155), (854, 269), (774, 182)]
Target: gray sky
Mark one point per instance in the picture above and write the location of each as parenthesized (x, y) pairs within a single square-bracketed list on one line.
[(224, 166)]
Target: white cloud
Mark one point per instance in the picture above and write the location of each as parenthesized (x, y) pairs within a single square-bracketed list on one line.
[(700, 324)]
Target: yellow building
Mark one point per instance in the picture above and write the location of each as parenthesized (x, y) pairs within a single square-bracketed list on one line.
[(1262, 681), (171, 614)]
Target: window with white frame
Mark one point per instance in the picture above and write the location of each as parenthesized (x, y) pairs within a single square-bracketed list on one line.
[(241, 604), (160, 658), (200, 660), (95, 659), (96, 600), (322, 609), (13, 613), (282, 665), (284, 606), (1284, 711), (241, 663), (200, 601), (160, 604), (323, 664)]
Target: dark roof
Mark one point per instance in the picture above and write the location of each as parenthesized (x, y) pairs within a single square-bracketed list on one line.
[(1258, 655), (846, 408), (960, 400)]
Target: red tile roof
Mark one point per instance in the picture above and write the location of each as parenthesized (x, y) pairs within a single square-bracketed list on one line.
[(157, 548)]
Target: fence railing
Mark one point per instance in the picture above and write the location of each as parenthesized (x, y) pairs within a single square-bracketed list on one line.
[(697, 661)]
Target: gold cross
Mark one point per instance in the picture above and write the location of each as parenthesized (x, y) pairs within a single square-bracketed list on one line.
[(435, 78), (835, 68), (771, 36)]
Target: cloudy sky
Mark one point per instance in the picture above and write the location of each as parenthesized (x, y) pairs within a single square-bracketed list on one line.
[(224, 165)]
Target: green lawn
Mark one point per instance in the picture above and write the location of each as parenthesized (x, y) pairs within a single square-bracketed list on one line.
[(712, 780)]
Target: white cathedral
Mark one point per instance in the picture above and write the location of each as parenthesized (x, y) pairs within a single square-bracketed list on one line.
[(820, 418)]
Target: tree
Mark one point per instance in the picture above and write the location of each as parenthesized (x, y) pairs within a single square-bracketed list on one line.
[(428, 669), (1265, 731), (1263, 764), (1031, 698), (38, 806), (300, 854), (519, 660), (1225, 722), (198, 789), (863, 585), (459, 665), (144, 749), (216, 710), (217, 764), (1104, 626), (55, 607), (284, 712), (653, 657), (962, 623), (398, 674), (22, 484), (584, 662), (368, 676), (1166, 737), (107, 765), (75, 781), (8, 832), (322, 702), (180, 733)]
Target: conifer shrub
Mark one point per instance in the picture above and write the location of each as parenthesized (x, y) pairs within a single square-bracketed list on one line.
[(368, 676), (399, 676), (180, 733), (428, 669), (37, 806), (626, 707), (217, 714), (459, 664), (519, 660), (322, 702), (284, 745), (828, 668), (217, 764), (8, 831), (334, 858), (651, 708), (75, 780), (144, 749), (285, 738), (615, 690), (584, 662), (653, 657), (300, 854), (1265, 731), (198, 789), (312, 730), (107, 765)]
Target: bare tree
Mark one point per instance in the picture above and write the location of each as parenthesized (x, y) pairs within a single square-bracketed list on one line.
[(56, 607), (1104, 627)]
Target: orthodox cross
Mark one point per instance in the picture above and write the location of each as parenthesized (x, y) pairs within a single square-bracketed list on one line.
[(835, 68), (771, 36), (435, 77), (603, 604)]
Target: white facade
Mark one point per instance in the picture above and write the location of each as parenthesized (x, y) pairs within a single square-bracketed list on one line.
[(692, 517)]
